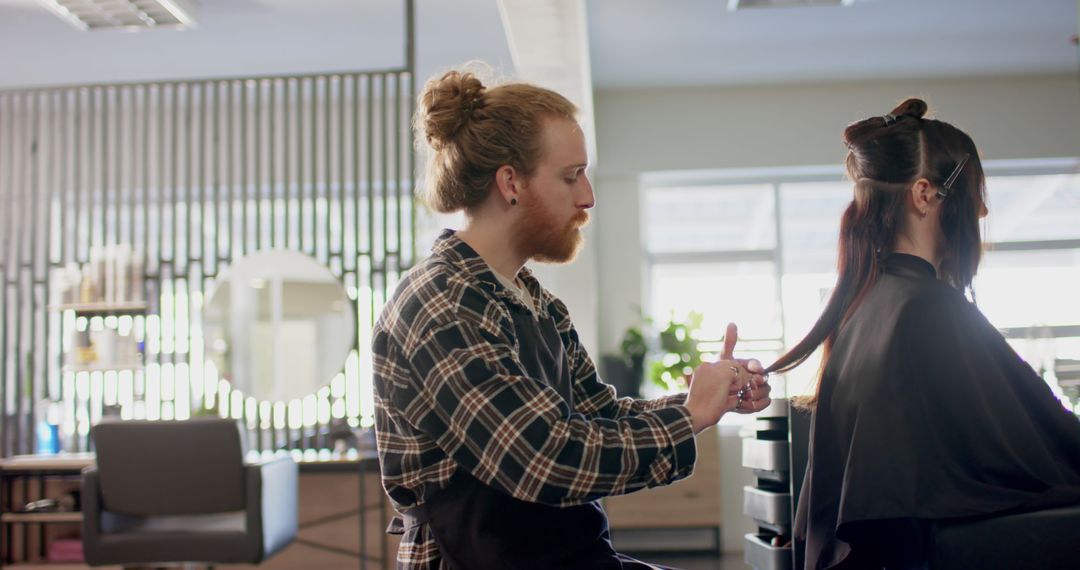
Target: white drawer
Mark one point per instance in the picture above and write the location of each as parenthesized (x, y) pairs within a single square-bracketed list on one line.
[(765, 455), (767, 506), (763, 556)]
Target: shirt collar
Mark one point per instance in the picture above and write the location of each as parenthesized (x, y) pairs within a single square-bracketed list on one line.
[(453, 249), (911, 265)]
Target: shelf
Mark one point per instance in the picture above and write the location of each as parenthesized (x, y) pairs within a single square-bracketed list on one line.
[(99, 367), (58, 566), (73, 462), (103, 309), (41, 517)]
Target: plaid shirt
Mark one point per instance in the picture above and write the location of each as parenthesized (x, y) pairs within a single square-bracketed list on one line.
[(451, 393)]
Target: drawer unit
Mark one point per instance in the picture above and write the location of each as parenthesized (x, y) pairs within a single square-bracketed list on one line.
[(767, 452)]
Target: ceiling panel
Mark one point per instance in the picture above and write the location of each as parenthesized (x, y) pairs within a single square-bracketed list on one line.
[(700, 42)]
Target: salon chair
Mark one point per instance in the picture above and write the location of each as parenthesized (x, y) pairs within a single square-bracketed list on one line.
[(1046, 540), (171, 492)]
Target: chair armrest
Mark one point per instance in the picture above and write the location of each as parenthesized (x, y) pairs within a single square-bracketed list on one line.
[(272, 503), (91, 513)]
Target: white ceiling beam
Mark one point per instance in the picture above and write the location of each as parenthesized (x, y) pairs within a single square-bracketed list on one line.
[(549, 44)]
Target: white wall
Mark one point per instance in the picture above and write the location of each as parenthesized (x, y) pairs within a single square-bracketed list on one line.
[(774, 126), (786, 125)]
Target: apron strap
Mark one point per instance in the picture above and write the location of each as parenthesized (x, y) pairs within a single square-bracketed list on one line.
[(408, 519), (417, 515)]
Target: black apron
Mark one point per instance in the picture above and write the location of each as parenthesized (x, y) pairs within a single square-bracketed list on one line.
[(477, 527)]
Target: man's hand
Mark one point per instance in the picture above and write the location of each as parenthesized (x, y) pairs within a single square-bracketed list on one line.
[(714, 390), (729, 384), (753, 392)]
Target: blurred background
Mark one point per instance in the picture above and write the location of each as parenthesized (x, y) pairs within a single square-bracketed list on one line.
[(148, 147)]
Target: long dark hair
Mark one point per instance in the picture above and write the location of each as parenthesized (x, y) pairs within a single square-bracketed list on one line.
[(886, 155)]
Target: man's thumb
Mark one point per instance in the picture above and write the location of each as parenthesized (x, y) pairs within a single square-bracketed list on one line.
[(731, 336)]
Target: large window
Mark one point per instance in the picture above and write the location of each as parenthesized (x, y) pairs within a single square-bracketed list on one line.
[(759, 248)]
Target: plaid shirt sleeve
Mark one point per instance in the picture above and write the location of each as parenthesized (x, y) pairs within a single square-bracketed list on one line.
[(474, 399), (594, 398)]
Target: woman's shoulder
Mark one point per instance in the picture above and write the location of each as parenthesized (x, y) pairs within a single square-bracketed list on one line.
[(936, 292), (901, 296), (933, 305)]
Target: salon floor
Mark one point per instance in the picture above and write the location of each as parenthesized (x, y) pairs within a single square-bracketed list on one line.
[(727, 561)]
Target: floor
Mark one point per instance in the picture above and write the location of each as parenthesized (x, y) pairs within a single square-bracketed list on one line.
[(681, 549), (728, 561)]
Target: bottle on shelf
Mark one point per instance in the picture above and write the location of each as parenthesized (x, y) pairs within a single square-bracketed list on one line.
[(112, 276), (50, 418), (104, 348)]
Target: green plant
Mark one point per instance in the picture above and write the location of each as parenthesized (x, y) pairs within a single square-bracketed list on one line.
[(28, 376), (206, 412), (679, 354), (633, 346)]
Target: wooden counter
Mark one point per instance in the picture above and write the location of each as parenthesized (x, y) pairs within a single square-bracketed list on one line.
[(332, 516)]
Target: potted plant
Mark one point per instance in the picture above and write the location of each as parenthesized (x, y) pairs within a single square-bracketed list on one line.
[(626, 370), (679, 353), (633, 349)]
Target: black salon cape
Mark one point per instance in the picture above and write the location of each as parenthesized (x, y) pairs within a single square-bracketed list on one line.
[(925, 412)]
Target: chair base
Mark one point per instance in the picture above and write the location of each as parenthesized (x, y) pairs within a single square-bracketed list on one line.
[(180, 565), (1045, 539)]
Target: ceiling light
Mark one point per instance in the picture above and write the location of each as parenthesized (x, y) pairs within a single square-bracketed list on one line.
[(125, 14), (744, 4)]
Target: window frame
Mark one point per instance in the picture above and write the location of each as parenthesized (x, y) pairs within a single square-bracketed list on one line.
[(776, 178)]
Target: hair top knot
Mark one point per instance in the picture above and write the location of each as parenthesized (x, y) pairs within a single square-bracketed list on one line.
[(449, 104)]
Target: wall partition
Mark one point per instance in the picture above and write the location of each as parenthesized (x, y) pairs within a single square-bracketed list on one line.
[(123, 209)]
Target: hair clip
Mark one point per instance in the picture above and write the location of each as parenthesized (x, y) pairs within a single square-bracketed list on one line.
[(889, 119), (945, 188)]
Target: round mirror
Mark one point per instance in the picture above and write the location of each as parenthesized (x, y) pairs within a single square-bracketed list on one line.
[(278, 325)]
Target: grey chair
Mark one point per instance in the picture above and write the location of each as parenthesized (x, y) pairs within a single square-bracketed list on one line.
[(1047, 540), (173, 492)]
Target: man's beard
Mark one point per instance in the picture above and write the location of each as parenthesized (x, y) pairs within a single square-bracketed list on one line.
[(542, 238)]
